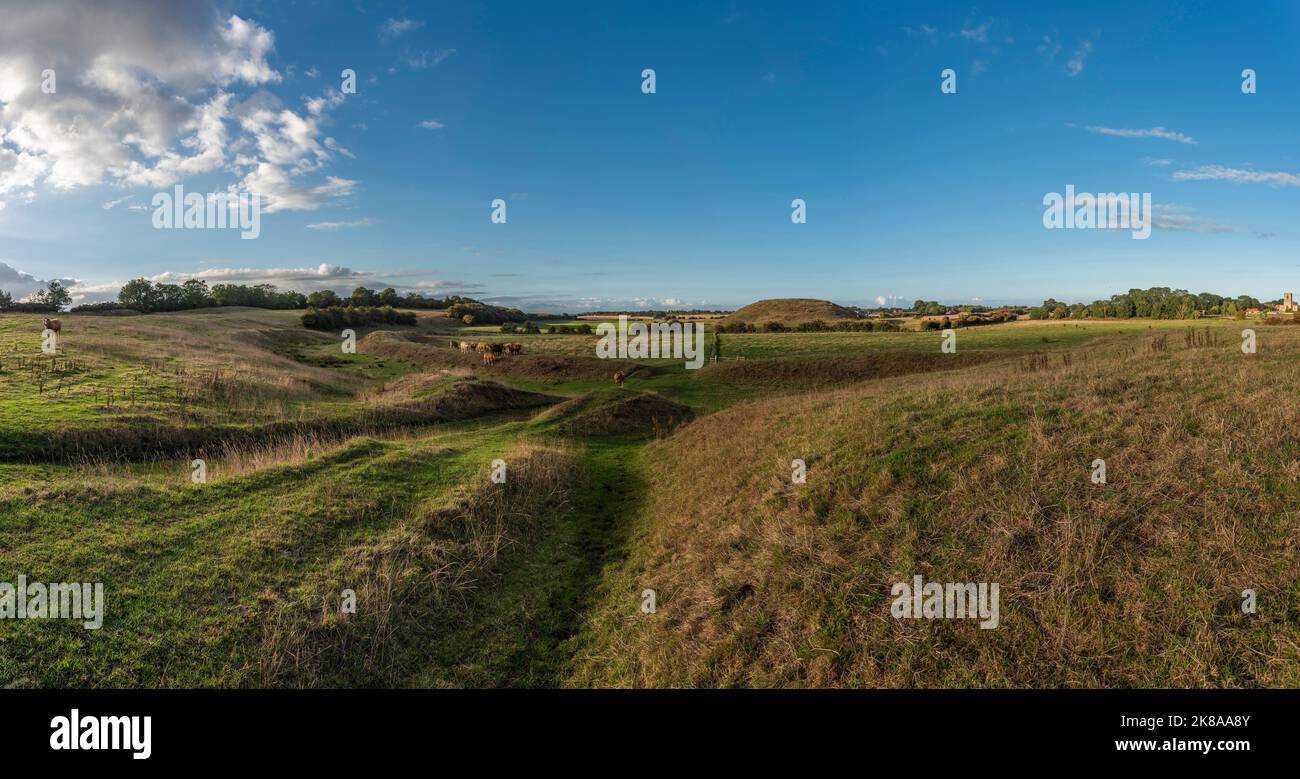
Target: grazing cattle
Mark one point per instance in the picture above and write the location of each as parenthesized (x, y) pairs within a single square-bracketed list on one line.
[(53, 324), (481, 347), (514, 348), (496, 348), (489, 358), (466, 346), (618, 378)]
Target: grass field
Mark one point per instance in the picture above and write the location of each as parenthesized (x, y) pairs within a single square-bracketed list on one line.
[(371, 473)]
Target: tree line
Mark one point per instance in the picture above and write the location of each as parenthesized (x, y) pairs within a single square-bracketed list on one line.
[(148, 297), (49, 300), (1153, 303)]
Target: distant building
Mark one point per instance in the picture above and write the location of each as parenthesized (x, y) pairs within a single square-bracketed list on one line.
[(1252, 312), (1287, 305)]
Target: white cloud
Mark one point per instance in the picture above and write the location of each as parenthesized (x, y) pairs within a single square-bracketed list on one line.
[(1076, 62), (1049, 48), (245, 57), (279, 192), (322, 272), (978, 34), (1171, 216), (334, 146), (426, 59), (18, 283), (363, 222), (395, 28), (111, 204), (309, 279), (149, 94), (1152, 132), (1238, 176), (432, 124)]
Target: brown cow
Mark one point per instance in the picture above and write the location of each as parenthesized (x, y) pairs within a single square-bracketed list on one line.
[(496, 348), (53, 324), (481, 347), (489, 358), (514, 348), (618, 378)]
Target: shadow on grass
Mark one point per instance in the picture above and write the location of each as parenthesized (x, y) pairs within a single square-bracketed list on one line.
[(517, 628)]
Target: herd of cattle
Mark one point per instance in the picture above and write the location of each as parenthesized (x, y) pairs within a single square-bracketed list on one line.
[(488, 350)]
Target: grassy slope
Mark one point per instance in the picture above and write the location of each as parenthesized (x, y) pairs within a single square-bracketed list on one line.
[(237, 582), (979, 475), (156, 377)]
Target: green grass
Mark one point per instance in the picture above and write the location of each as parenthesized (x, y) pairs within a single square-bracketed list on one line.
[(1011, 336), (236, 582)]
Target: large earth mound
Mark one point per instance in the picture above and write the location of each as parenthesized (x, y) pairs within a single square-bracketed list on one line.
[(789, 311)]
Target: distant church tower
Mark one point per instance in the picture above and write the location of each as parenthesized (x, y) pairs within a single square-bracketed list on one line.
[(1287, 303)]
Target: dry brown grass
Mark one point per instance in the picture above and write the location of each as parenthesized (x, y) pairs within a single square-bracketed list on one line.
[(847, 369), (979, 475)]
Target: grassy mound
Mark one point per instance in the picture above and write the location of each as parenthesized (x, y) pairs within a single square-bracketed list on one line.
[(617, 412), (788, 311), (468, 399), (977, 476)]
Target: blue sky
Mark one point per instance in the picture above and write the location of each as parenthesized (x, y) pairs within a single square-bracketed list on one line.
[(678, 198)]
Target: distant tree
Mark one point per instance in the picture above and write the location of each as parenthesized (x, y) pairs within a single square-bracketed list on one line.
[(137, 294), (364, 297), (56, 296), (468, 319), (6, 300), (325, 298), (195, 294)]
